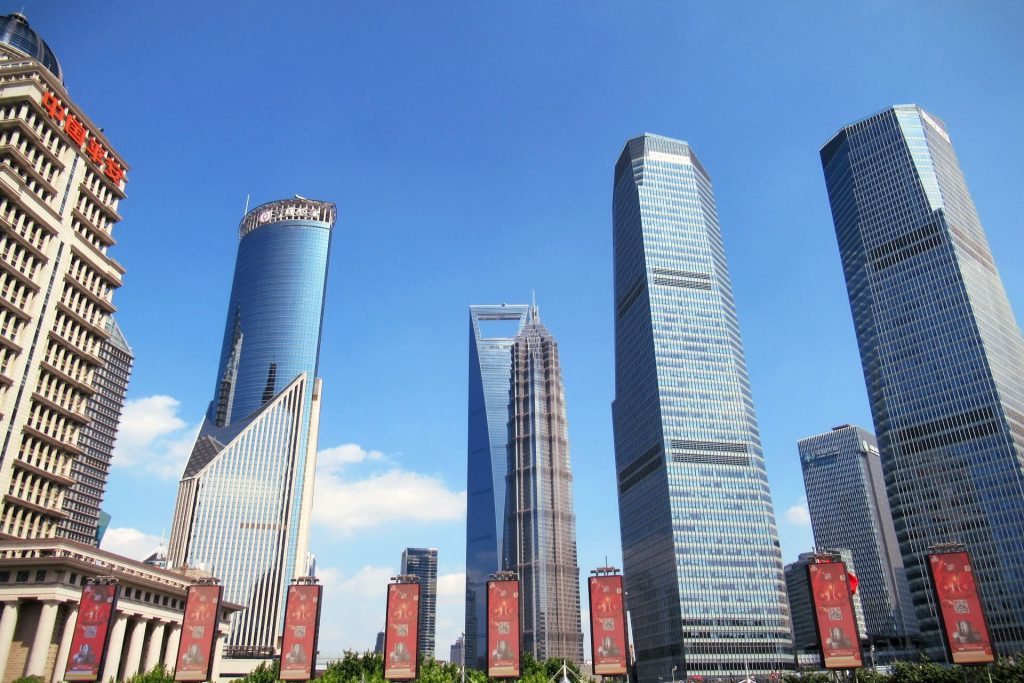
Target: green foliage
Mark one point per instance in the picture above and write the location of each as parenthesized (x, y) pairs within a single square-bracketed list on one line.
[(158, 674), (264, 673), (29, 679), (924, 671), (369, 668)]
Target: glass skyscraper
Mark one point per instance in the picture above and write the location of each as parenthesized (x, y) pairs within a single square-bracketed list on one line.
[(701, 557), (849, 507), (942, 354), (422, 563), (540, 524), (245, 497), (492, 330)]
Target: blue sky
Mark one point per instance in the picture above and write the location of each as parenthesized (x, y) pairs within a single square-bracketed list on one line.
[(470, 149)]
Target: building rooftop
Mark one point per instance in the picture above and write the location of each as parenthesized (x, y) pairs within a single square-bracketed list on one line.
[(15, 31)]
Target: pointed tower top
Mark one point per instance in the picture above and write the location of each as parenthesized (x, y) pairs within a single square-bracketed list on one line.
[(534, 314)]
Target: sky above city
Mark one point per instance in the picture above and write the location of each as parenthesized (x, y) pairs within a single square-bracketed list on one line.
[(470, 147)]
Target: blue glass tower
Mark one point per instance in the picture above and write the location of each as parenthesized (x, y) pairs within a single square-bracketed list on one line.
[(245, 497), (942, 354), (492, 331), (700, 549)]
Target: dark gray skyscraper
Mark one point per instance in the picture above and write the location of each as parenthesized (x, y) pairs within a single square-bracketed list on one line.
[(90, 469), (422, 562), (700, 549), (540, 525), (492, 330), (942, 354), (849, 508)]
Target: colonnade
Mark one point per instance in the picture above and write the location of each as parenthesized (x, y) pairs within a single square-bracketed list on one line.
[(140, 642)]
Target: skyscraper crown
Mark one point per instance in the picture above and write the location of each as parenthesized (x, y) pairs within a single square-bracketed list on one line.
[(15, 31)]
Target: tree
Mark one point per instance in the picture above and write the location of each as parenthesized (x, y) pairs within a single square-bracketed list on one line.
[(158, 674)]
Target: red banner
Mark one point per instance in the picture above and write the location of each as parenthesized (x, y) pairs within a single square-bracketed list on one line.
[(198, 634), (301, 625), (89, 643), (607, 626), (963, 619), (402, 632), (503, 629), (833, 612)]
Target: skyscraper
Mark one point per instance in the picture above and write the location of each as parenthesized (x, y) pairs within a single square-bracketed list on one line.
[(849, 507), (492, 330), (540, 525), (62, 184), (942, 355), (422, 563), (244, 500), (700, 549), (798, 587)]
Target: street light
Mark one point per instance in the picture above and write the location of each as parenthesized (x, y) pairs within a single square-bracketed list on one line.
[(674, 673)]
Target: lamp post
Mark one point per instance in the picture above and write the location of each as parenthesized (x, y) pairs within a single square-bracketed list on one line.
[(674, 667)]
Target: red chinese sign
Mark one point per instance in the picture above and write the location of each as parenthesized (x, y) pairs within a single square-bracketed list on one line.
[(833, 613), (198, 634), (301, 624), (607, 626), (82, 136), (89, 643), (402, 632), (503, 629), (963, 619)]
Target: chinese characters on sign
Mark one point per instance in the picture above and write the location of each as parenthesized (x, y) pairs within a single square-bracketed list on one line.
[(301, 624), (198, 634), (963, 620), (89, 643), (402, 632), (607, 626), (833, 612), (503, 629), (82, 136)]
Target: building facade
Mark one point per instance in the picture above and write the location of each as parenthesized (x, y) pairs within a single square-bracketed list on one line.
[(798, 586), (90, 469), (492, 331), (61, 182), (942, 356), (540, 524), (457, 651), (849, 507), (422, 563), (700, 549), (244, 501)]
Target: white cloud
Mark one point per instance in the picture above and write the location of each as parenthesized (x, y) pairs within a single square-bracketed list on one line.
[(152, 438), (131, 543), (452, 585), (798, 514), (346, 454)]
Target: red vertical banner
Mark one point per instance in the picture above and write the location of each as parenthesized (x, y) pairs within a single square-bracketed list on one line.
[(503, 629), (402, 630), (963, 620), (89, 642), (198, 633), (301, 626), (607, 626), (833, 613)]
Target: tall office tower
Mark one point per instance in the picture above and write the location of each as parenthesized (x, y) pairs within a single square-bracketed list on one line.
[(244, 500), (540, 525), (90, 469), (492, 330), (942, 354), (422, 563), (61, 185), (849, 508), (805, 631), (699, 544), (456, 654)]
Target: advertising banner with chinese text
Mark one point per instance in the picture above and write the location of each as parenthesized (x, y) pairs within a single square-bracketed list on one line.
[(89, 642), (833, 613), (198, 634), (301, 625), (607, 626), (963, 619), (503, 629), (401, 630)]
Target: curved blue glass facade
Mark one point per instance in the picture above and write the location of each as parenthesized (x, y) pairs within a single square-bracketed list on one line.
[(15, 31)]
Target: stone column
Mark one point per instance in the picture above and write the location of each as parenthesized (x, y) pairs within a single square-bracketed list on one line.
[(113, 660), (43, 638), (134, 659), (64, 650), (171, 655), (156, 639), (218, 654), (8, 621)]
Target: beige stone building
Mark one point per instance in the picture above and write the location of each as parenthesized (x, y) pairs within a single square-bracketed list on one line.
[(40, 588), (60, 185)]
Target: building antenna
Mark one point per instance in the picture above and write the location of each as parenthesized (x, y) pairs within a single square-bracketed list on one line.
[(246, 203)]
